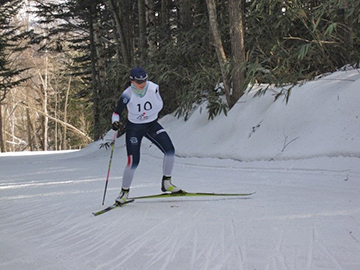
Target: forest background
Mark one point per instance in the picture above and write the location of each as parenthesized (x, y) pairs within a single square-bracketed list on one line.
[(63, 64)]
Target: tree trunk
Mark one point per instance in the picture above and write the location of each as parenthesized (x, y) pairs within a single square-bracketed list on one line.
[(186, 17), (120, 32), (165, 28), (29, 130), (32, 136), (94, 83), (44, 87), (11, 120), (64, 144), (101, 74), (2, 146), (237, 36), (220, 52), (151, 29), (142, 31)]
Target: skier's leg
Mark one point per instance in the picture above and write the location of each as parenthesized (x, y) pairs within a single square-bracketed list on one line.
[(161, 139), (158, 136), (133, 142)]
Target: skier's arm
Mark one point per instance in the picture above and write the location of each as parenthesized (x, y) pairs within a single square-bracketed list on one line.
[(115, 119)]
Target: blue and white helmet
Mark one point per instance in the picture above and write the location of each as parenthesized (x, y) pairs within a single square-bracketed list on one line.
[(138, 74)]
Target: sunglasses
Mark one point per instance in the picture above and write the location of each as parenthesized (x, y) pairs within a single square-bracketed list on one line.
[(139, 81)]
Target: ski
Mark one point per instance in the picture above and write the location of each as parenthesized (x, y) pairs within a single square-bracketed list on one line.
[(167, 195), (111, 207), (190, 194)]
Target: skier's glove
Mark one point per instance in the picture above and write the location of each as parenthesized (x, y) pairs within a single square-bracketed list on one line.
[(116, 125), (115, 119)]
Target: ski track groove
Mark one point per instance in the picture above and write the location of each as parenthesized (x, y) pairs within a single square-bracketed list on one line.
[(209, 256), (27, 254), (237, 248), (162, 249), (276, 259), (305, 171), (93, 244), (197, 249), (226, 250), (310, 250), (327, 252), (171, 251), (134, 246), (194, 251), (170, 246)]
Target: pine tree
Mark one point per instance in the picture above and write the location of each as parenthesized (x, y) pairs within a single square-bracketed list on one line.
[(10, 37)]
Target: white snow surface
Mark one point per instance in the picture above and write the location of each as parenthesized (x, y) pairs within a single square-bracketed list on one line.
[(302, 160)]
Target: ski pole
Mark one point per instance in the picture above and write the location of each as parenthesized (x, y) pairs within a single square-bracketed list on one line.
[(108, 173)]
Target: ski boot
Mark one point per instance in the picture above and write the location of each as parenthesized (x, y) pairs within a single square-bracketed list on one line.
[(123, 196), (166, 185)]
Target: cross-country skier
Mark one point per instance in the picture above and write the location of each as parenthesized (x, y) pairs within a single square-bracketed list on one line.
[(143, 102)]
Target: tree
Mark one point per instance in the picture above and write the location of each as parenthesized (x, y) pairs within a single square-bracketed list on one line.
[(38, 107), (238, 65), (220, 51), (142, 31), (120, 38), (190, 48), (10, 36), (233, 70)]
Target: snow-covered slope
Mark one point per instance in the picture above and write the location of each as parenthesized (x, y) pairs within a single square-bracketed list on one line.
[(322, 118), (302, 159)]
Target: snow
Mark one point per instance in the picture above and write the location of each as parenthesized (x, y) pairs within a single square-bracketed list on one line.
[(301, 158)]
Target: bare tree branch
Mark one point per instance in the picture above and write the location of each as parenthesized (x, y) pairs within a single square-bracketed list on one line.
[(76, 130)]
